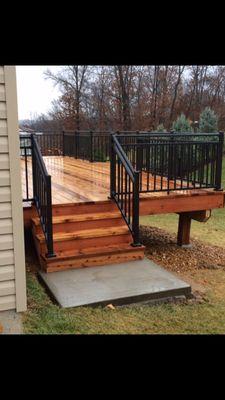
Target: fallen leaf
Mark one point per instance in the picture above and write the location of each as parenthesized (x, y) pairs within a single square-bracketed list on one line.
[(110, 306)]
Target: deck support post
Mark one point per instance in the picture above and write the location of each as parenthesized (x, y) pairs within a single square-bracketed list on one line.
[(184, 228)]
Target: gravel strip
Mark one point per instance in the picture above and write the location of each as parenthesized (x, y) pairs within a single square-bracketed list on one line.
[(161, 247)]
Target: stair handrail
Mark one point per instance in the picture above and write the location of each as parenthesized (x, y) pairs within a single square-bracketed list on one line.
[(127, 199), (42, 194)]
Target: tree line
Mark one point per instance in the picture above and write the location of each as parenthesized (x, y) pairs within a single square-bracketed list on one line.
[(130, 97)]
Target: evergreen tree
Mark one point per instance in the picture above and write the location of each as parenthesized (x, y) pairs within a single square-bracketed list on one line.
[(182, 124), (208, 121), (160, 128)]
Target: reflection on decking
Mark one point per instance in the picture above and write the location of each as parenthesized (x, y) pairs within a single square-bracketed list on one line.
[(81, 181)]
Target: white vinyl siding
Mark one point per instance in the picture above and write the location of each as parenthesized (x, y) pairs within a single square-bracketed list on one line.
[(12, 263)]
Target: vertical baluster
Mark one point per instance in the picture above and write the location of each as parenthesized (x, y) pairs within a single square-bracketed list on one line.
[(188, 163), (118, 165), (148, 164), (200, 164), (26, 173), (207, 165), (135, 217), (122, 168), (195, 163), (154, 166), (63, 143), (211, 164), (129, 188), (191, 163), (125, 193), (162, 166), (91, 146)]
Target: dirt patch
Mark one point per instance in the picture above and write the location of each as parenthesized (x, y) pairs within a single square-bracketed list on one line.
[(161, 247)]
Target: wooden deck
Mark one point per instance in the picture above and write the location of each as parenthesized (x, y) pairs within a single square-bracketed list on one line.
[(75, 181), (88, 229)]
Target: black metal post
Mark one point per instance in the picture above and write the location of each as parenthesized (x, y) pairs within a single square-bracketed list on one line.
[(135, 211), (63, 143), (170, 160), (91, 146), (112, 168), (50, 252), (139, 154), (26, 173), (33, 165), (219, 161), (76, 144)]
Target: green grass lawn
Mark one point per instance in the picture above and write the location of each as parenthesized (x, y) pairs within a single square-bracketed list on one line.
[(44, 317), (212, 231)]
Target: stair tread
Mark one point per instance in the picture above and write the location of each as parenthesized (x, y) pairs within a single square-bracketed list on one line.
[(92, 251), (80, 217), (86, 234)]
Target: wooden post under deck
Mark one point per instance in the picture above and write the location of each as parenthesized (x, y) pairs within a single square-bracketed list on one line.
[(184, 228)]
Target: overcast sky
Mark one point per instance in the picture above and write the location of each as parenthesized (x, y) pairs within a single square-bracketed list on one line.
[(34, 92)]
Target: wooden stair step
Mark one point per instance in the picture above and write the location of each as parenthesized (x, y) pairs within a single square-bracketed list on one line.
[(86, 234), (80, 217), (90, 257), (89, 251), (84, 207)]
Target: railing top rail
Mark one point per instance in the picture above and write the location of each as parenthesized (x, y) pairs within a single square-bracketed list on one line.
[(124, 157), (88, 132), (147, 134), (27, 136), (41, 131), (39, 155), (168, 142)]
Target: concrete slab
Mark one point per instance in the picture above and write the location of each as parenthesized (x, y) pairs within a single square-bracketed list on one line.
[(116, 284), (10, 322)]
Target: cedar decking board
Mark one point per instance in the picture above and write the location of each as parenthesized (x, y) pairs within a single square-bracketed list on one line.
[(75, 181)]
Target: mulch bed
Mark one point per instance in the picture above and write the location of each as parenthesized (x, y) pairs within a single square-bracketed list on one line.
[(161, 248)]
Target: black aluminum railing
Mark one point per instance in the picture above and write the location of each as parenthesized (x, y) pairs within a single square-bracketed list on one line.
[(140, 162), (42, 194), (175, 161), (124, 188), (153, 162), (87, 145), (26, 156), (50, 143)]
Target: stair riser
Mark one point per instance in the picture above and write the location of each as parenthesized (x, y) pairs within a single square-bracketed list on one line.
[(83, 208), (88, 242), (67, 227), (95, 261)]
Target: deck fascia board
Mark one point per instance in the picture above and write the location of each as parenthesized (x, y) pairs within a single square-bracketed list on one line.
[(181, 203)]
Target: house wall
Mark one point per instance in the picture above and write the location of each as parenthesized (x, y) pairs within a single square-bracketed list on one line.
[(12, 258)]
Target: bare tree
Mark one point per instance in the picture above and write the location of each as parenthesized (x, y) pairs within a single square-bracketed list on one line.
[(72, 82), (136, 97)]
